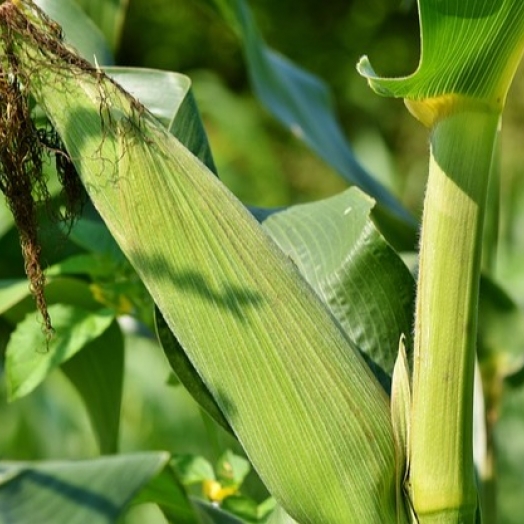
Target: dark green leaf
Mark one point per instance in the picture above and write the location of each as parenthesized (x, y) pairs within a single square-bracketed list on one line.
[(214, 515), (241, 507), (97, 373), (79, 30), (186, 372), (167, 491), (94, 491)]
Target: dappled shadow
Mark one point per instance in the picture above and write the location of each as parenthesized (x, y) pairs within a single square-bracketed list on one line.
[(233, 298), (230, 297), (82, 497)]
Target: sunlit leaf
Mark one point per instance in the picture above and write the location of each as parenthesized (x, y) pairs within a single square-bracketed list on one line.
[(232, 469), (292, 386), (193, 469), (30, 357), (85, 264), (279, 516), (169, 97), (480, 44), (365, 284), (12, 292)]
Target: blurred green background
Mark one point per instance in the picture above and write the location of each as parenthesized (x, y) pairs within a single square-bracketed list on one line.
[(260, 162), (264, 165)]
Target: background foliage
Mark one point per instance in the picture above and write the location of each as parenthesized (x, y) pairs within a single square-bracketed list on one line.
[(264, 165)]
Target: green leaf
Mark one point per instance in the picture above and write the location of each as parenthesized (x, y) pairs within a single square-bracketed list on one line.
[(232, 469), (94, 237), (79, 30), (12, 292), (400, 414), (279, 516), (167, 491), (509, 453), (6, 218), (193, 469), (5, 333), (30, 358), (213, 515), (94, 265), (162, 92), (294, 389), (242, 507), (109, 16), (302, 103), (97, 373), (61, 290), (94, 491), (186, 372), (248, 163), (169, 97), (479, 42), (361, 279)]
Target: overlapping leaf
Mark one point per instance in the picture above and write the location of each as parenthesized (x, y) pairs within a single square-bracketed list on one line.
[(95, 491), (295, 391), (109, 15), (30, 357), (302, 103), (468, 48), (365, 284), (97, 373), (80, 31)]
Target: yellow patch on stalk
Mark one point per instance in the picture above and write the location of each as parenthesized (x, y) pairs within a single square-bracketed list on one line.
[(430, 110)]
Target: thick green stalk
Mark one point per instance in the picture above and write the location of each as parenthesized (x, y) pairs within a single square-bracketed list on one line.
[(441, 478)]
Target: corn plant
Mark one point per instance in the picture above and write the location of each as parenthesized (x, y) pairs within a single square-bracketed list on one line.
[(294, 329)]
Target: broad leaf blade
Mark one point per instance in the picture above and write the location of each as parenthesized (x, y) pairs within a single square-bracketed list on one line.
[(97, 374), (30, 358), (295, 391), (94, 491), (365, 284), (79, 30), (109, 16), (169, 97), (479, 42)]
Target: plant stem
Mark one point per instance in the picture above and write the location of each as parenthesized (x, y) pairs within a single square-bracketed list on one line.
[(442, 483)]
